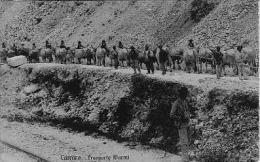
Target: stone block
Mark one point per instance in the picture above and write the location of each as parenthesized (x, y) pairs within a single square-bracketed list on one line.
[(16, 61)]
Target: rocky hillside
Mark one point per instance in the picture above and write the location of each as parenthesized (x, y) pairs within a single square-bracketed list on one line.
[(219, 22)]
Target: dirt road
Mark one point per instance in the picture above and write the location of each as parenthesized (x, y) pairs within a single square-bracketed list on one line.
[(56, 144)]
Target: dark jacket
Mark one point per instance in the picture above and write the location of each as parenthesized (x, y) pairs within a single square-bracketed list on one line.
[(104, 45), (120, 45), (180, 111), (47, 45), (191, 44), (133, 54), (218, 57), (62, 45), (114, 54), (163, 55)]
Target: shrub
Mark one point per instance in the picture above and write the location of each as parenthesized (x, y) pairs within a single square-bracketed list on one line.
[(200, 9)]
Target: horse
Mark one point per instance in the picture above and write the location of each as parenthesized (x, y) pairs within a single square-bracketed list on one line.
[(47, 53), (60, 55), (189, 58), (101, 55), (156, 52), (249, 56), (205, 55), (123, 55), (34, 55), (176, 55), (85, 53), (229, 59)]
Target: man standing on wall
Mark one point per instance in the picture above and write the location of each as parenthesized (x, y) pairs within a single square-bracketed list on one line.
[(181, 115), (163, 56), (148, 59), (218, 56), (134, 59)]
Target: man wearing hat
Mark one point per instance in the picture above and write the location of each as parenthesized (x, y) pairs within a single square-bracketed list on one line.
[(148, 59), (163, 55), (218, 56), (62, 44), (181, 115), (79, 45), (134, 59), (104, 45), (47, 44)]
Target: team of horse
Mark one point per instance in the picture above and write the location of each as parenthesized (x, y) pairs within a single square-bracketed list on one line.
[(191, 58)]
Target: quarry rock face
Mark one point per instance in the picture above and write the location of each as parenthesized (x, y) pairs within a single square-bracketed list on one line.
[(136, 107), (16, 61)]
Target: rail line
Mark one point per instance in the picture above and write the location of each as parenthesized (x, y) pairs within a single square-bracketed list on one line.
[(40, 158)]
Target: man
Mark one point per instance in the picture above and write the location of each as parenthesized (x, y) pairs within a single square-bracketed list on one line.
[(148, 59), (120, 45), (240, 62), (218, 56), (62, 44), (134, 59), (163, 55), (104, 45), (79, 45), (114, 55), (33, 46), (47, 44), (190, 44), (181, 115)]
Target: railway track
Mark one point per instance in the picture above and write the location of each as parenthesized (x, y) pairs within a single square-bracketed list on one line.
[(35, 156)]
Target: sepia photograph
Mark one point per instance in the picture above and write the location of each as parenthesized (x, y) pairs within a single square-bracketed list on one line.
[(129, 81)]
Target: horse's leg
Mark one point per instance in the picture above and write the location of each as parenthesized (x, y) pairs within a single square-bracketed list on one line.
[(200, 64), (195, 68), (173, 63), (206, 65)]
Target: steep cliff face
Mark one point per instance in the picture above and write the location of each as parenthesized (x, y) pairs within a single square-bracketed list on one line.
[(133, 22), (136, 108)]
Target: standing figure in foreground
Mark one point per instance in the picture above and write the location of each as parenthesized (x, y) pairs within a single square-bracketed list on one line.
[(181, 115), (134, 59), (218, 56), (148, 59), (163, 55)]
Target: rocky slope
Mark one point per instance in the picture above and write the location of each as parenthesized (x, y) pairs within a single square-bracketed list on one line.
[(136, 107), (226, 22)]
